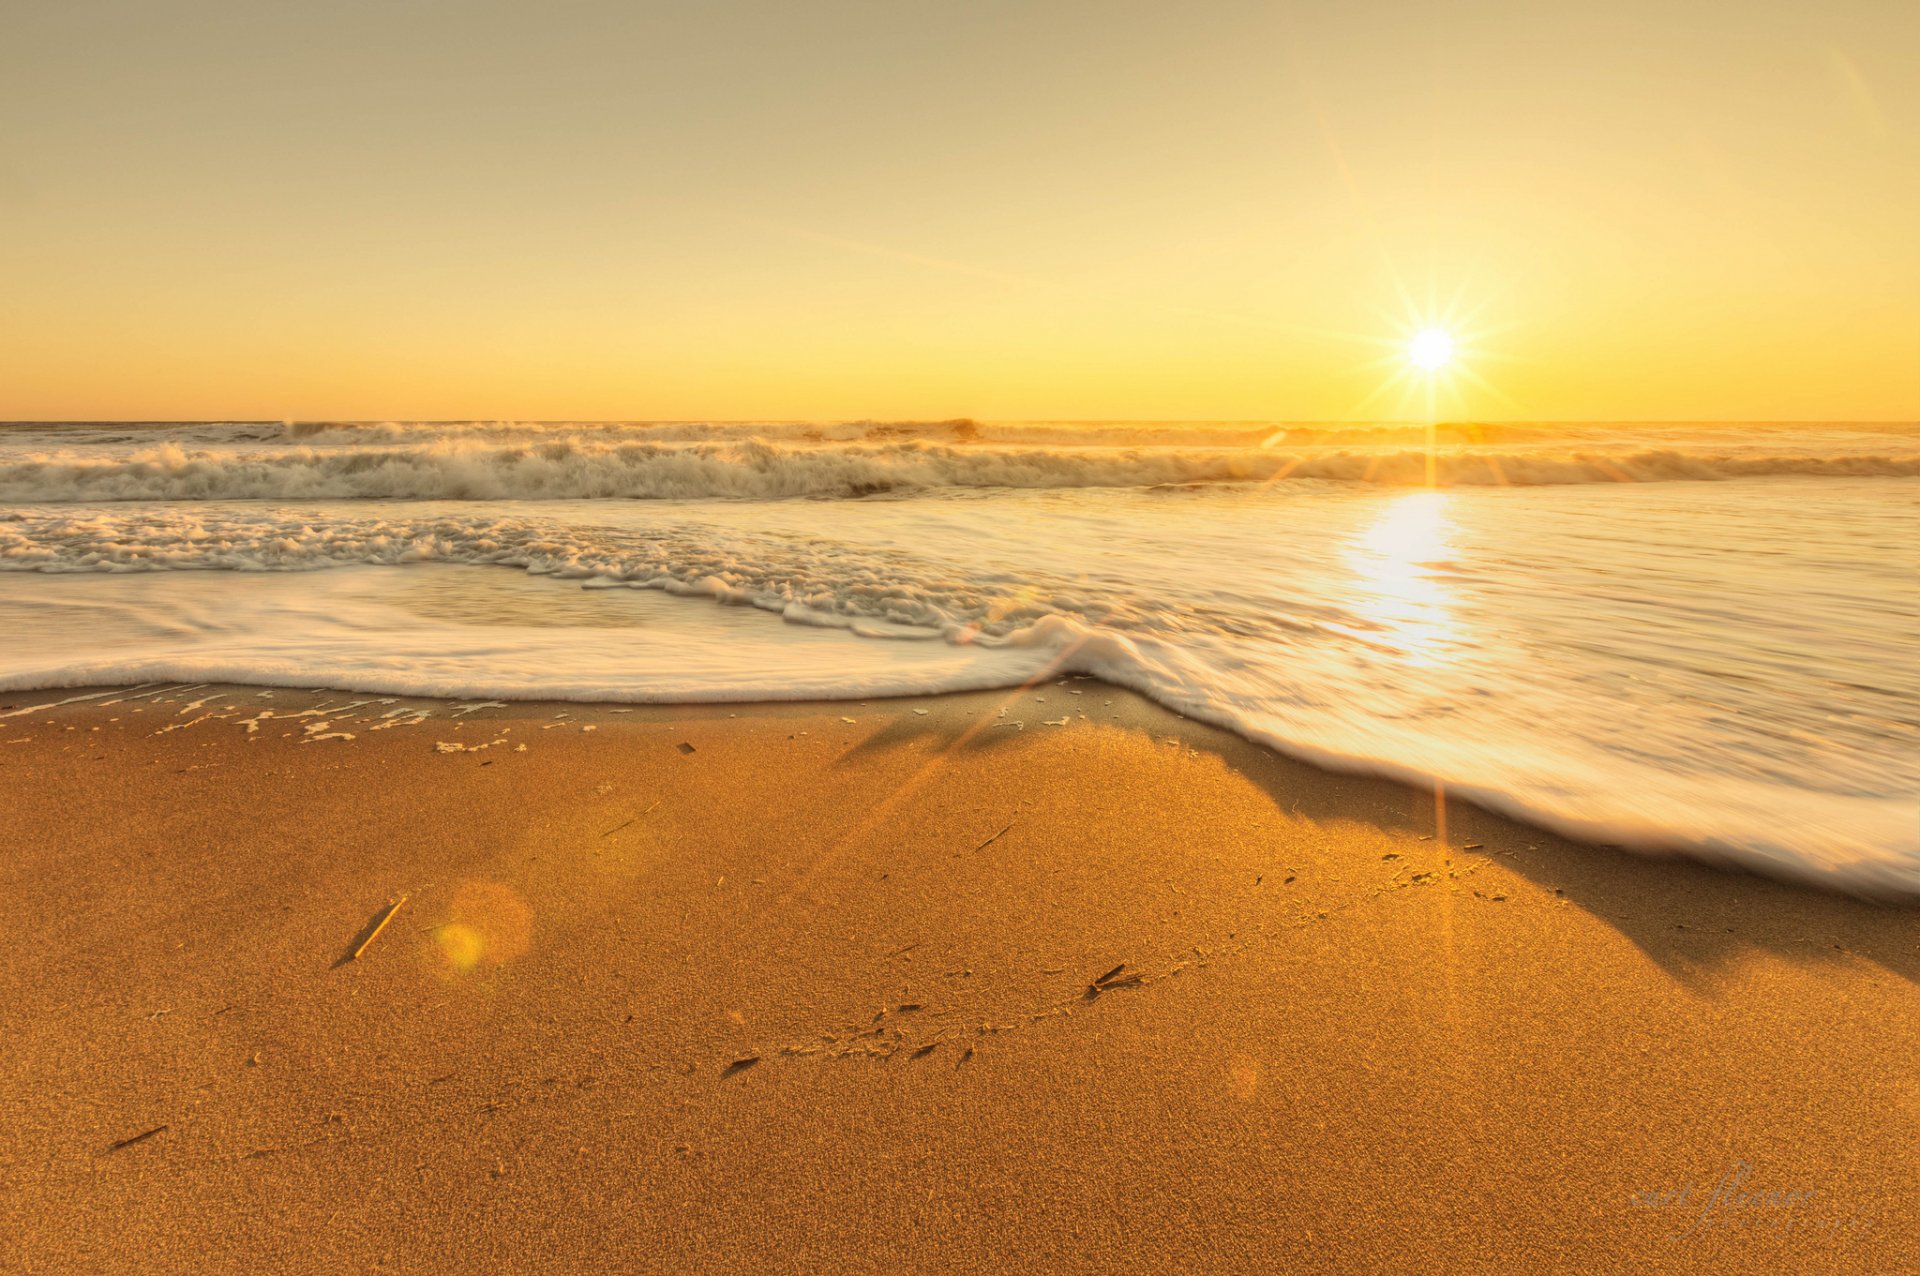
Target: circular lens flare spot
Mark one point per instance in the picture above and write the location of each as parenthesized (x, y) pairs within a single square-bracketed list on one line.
[(462, 946), (489, 925), (1430, 349)]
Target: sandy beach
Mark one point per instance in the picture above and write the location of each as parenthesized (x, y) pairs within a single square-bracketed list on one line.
[(902, 985)]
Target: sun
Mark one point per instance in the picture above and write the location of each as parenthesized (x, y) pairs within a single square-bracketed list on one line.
[(1430, 350), (1428, 358)]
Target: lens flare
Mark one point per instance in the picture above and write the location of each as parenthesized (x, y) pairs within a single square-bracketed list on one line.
[(488, 925)]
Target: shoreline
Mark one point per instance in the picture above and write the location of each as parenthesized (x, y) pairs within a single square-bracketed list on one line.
[(1873, 881), (824, 986)]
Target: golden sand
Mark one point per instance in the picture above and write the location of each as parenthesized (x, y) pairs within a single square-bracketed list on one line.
[(894, 986)]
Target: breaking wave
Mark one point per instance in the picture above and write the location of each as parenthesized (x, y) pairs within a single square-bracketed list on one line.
[(579, 466)]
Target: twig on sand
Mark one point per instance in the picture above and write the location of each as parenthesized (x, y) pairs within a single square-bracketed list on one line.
[(1114, 979), (373, 931), (990, 841), (739, 1066), (141, 1137), (616, 828)]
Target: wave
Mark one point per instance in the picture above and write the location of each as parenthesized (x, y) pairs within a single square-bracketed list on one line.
[(878, 593), (580, 467), (1728, 773)]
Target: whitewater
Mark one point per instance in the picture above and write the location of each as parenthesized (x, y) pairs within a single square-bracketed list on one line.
[(1681, 638)]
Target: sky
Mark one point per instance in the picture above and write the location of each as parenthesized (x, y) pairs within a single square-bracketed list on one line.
[(902, 210)]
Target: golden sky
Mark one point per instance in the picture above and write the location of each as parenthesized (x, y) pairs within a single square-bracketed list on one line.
[(409, 208)]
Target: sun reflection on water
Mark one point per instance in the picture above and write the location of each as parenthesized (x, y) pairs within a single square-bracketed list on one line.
[(1403, 596)]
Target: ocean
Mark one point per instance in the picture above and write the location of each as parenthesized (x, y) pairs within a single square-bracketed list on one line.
[(1684, 638)]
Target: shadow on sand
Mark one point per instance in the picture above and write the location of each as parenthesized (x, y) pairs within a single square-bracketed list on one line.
[(1692, 918)]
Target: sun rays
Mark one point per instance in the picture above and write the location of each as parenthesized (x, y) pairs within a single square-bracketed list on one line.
[(1429, 358)]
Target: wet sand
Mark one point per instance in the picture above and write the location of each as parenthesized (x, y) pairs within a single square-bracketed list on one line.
[(794, 987)]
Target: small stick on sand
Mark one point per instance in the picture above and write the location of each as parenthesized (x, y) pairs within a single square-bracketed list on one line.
[(990, 841), (616, 828), (1113, 979), (142, 1137), (378, 926)]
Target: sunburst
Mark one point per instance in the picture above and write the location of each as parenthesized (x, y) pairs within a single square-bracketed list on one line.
[(1429, 357)]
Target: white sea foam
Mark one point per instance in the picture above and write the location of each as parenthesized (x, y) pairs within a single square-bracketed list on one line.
[(1593, 649), (1612, 661)]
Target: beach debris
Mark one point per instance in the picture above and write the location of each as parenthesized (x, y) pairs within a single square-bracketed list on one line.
[(1390, 857), (1115, 978), (901, 952), (996, 837), (616, 828), (849, 721), (921, 712), (1472, 846), (908, 1007), (923, 1051), (141, 1137), (684, 747), (1054, 722), (739, 1065), (379, 924), (964, 1056)]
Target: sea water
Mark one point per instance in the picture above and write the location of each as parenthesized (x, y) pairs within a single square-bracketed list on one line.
[(1681, 637)]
